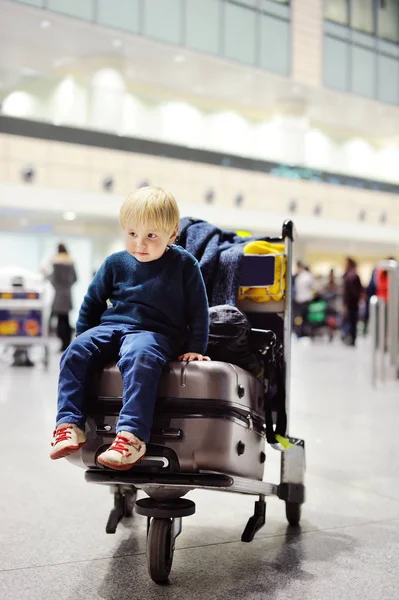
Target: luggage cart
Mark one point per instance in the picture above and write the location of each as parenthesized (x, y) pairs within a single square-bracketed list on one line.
[(165, 506), (24, 316)]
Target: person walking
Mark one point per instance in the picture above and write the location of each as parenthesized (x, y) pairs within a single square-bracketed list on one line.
[(353, 290), (62, 277), (304, 294)]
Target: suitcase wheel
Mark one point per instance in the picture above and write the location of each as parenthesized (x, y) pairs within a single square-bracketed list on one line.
[(160, 549)]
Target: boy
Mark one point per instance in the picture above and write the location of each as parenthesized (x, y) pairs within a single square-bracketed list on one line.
[(158, 311)]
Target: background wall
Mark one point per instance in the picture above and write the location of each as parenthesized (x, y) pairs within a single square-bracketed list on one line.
[(249, 195), (108, 105)]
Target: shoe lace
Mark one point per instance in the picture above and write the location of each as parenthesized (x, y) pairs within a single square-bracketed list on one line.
[(121, 444), (62, 435)]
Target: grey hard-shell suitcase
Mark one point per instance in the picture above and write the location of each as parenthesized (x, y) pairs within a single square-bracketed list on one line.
[(208, 417)]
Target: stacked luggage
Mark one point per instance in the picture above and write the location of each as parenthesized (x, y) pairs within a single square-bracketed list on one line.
[(209, 416), (210, 428)]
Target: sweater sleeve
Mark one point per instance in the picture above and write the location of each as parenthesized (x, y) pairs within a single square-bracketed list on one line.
[(197, 310), (95, 300)]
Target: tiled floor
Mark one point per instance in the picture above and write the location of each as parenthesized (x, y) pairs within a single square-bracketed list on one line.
[(52, 538)]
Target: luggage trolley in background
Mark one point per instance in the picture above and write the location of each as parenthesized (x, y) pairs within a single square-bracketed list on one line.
[(208, 433), (24, 312)]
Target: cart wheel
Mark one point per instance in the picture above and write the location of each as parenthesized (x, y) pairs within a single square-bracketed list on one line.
[(129, 500), (293, 513), (160, 549)]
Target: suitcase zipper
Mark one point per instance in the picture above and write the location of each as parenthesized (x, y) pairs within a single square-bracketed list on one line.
[(170, 408), (247, 420)]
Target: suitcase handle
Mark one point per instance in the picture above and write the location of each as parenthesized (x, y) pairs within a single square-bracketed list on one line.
[(183, 374), (172, 434), (183, 370)]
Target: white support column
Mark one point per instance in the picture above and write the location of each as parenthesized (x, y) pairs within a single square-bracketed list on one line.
[(307, 42)]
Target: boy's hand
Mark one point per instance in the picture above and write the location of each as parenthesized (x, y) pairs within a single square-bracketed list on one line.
[(189, 356)]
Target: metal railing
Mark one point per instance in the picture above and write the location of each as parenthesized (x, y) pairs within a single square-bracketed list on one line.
[(384, 321)]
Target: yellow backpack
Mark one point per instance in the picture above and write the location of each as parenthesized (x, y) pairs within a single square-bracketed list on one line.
[(276, 291)]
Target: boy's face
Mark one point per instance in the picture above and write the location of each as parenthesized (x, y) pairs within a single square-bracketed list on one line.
[(145, 242)]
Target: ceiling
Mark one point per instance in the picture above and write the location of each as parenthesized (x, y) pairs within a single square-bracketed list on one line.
[(38, 44)]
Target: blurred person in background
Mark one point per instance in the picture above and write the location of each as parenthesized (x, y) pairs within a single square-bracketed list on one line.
[(371, 290), (304, 293), (331, 286), (382, 281), (304, 284), (62, 277), (332, 290), (378, 286), (318, 284), (331, 294), (352, 293), (381, 284)]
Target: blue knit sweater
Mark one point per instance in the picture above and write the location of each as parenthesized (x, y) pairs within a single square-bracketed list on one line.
[(166, 296)]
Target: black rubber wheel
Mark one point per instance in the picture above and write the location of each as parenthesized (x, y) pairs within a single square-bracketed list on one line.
[(129, 500), (293, 513), (160, 550)]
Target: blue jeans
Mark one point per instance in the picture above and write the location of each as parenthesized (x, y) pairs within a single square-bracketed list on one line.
[(142, 356)]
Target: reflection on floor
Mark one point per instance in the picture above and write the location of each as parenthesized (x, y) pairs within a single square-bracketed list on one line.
[(52, 524)]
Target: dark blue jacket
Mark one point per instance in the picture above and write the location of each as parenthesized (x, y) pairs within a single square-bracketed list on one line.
[(166, 296)]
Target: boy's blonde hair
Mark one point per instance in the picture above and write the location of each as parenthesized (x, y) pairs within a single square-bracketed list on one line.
[(150, 205)]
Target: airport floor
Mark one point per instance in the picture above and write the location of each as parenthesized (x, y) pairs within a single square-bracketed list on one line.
[(52, 524)]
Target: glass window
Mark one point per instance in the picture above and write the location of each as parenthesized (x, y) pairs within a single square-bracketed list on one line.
[(253, 3), (74, 8), (388, 80), (275, 7), (274, 44), (388, 20), (39, 3), (336, 11), (203, 25), (362, 15), (126, 17), (336, 64), (363, 68), (236, 45), (163, 20)]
